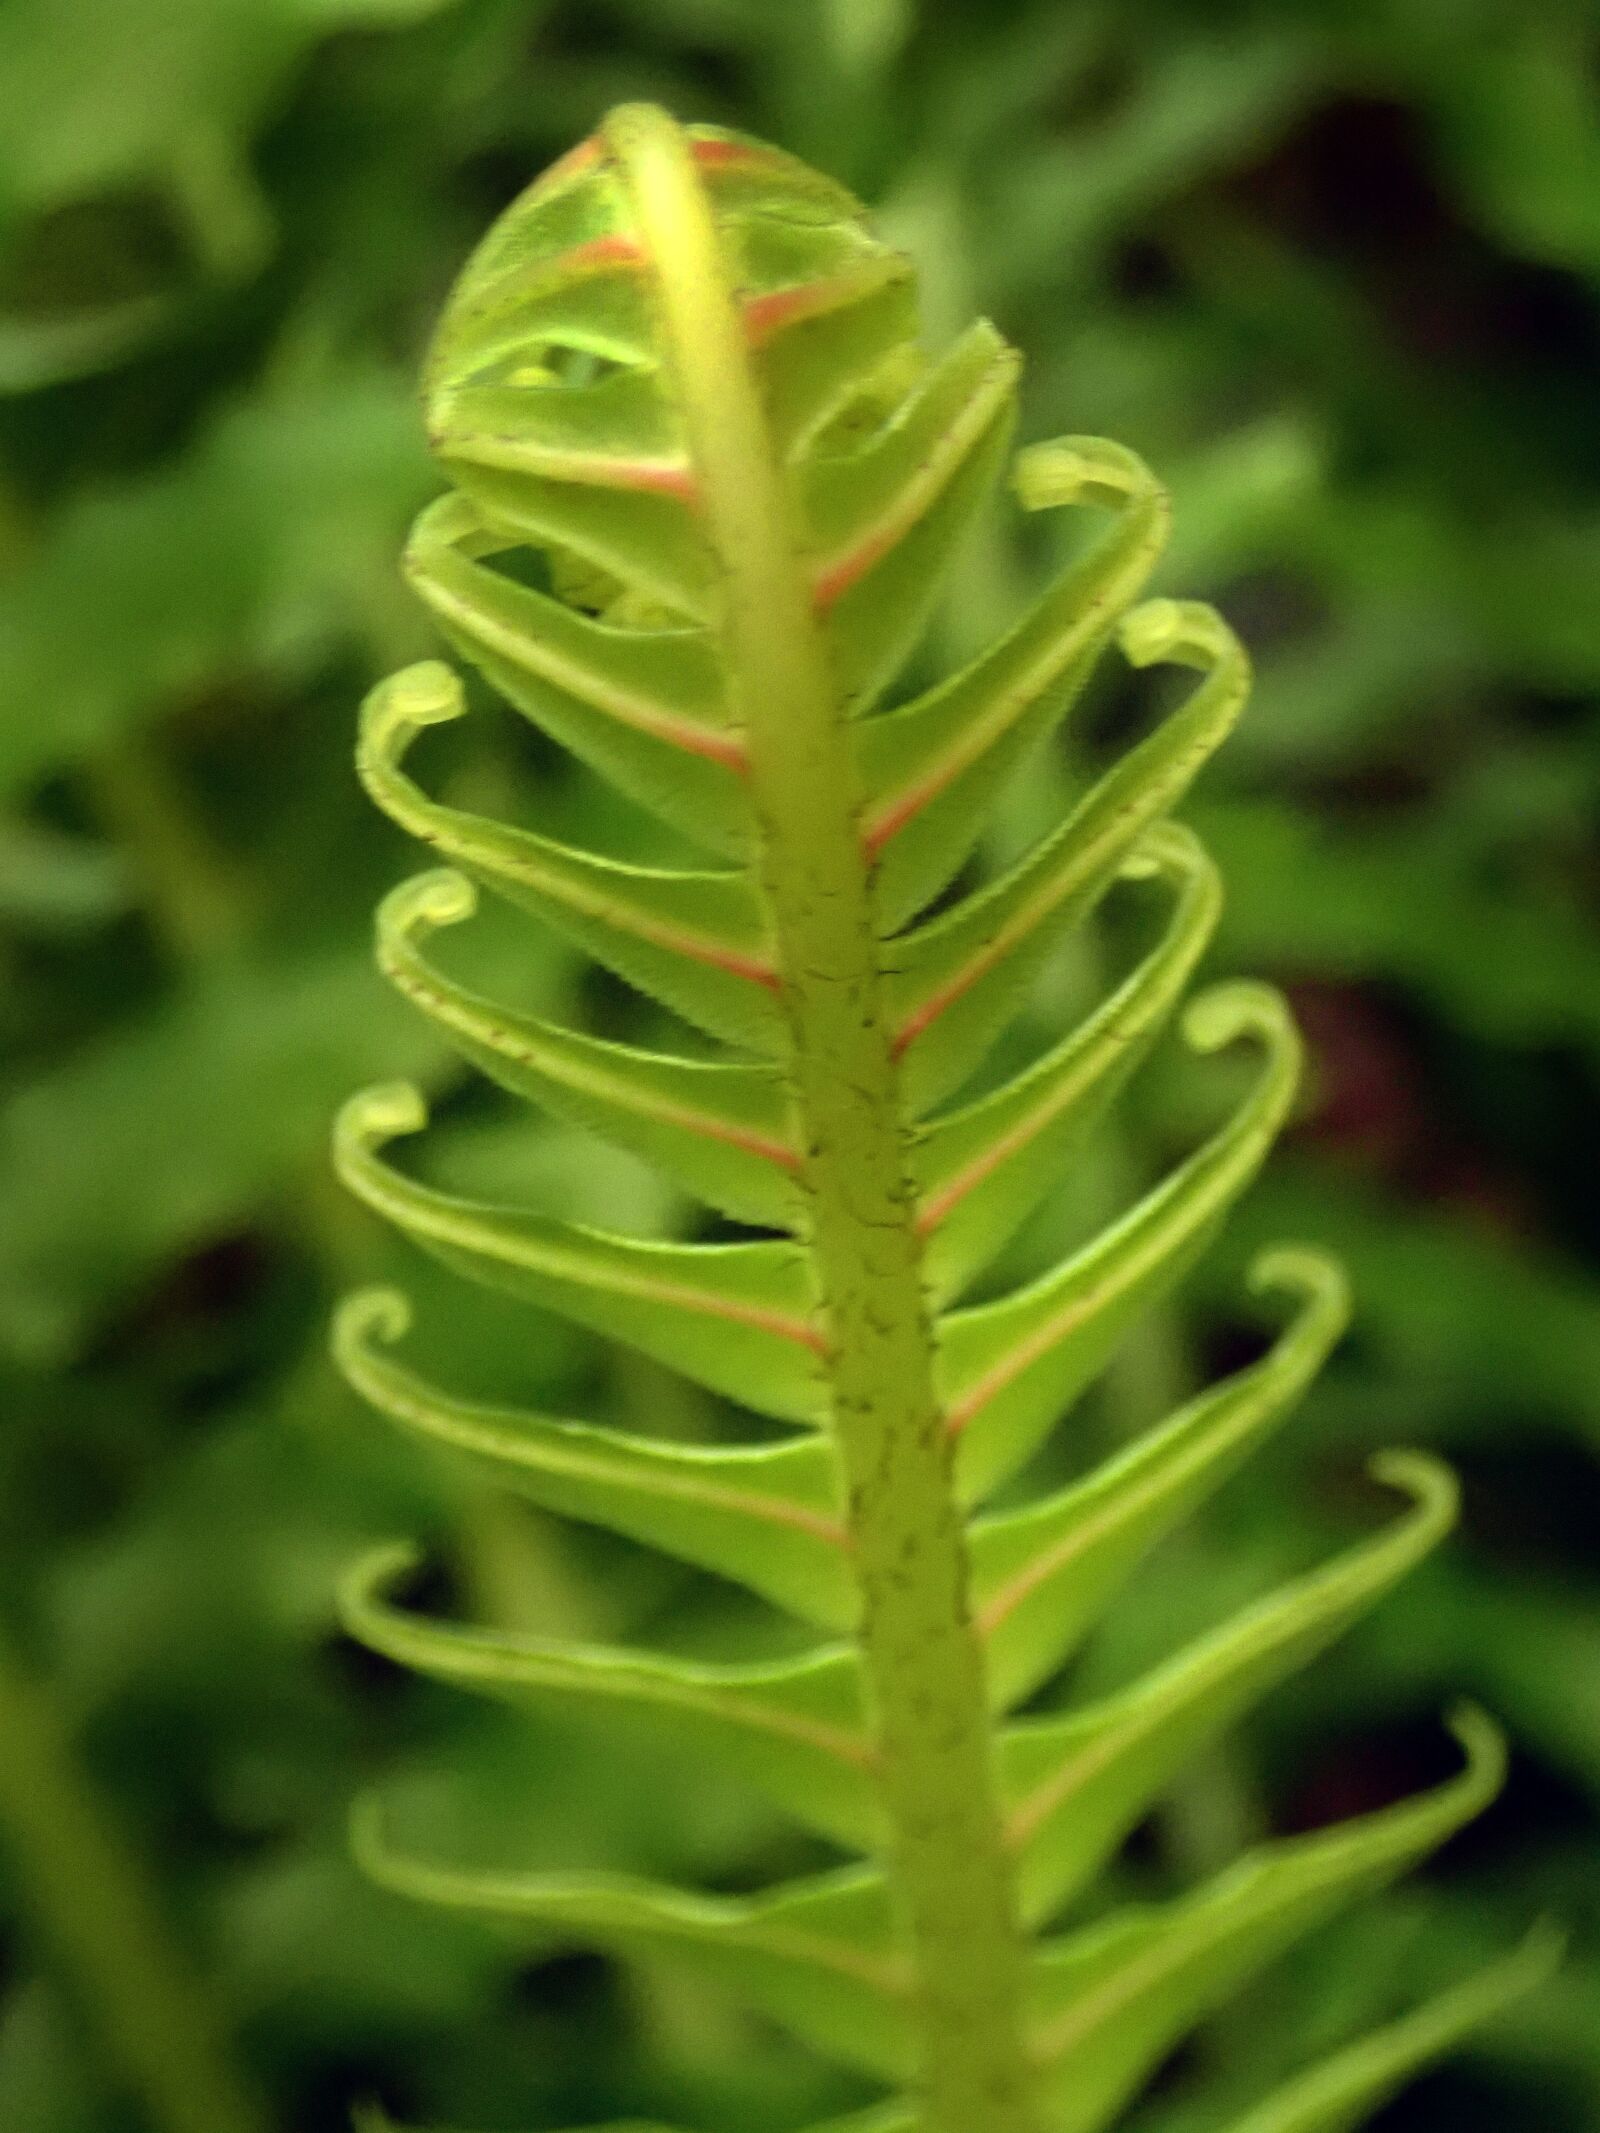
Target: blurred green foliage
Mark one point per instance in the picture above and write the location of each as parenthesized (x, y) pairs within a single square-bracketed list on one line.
[(1336, 271)]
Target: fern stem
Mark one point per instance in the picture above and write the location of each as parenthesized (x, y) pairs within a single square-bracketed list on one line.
[(89, 1897), (921, 1654)]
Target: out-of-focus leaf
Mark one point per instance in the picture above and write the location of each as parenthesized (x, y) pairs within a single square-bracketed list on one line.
[(1342, 2093), (270, 544), (51, 883), (1416, 905), (46, 347), (149, 81), (1446, 1309), (175, 1127)]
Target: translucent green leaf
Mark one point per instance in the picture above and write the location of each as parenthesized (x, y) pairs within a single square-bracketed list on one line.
[(885, 520), (816, 345), (766, 1517), (1078, 1783), (933, 767), (983, 1169), (1116, 1997), (646, 707), (598, 306), (557, 246), (604, 434), (535, 472), (793, 267), (654, 548), (546, 461), (954, 981), (1340, 2094), (735, 1317), (1042, 1575), (1007, 1369), (722, 1130), (817, 1956), (696, 941), (796, 1730)]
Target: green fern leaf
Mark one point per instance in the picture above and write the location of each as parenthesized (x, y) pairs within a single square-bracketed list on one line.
[(707, 492), (1117, 1995), (1340, 2095)]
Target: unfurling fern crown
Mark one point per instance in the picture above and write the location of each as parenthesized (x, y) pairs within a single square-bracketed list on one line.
[(682, 376)]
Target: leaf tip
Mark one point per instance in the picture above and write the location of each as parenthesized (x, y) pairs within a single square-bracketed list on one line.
[(1432, 1486), (1076, 470), (365, 1585), (1187, 632), (427, 694), (368, 1316), (1483, 1743), (387, 1111), (1315, 1276), (1242, 1007), (441, 897)]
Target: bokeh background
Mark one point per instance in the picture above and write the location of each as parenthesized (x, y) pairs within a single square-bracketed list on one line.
[(1335, 269)]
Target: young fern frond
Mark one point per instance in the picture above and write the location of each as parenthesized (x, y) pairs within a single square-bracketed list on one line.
[(682, 376)]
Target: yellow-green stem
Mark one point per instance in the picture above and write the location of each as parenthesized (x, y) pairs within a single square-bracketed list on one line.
[(922, 1658)]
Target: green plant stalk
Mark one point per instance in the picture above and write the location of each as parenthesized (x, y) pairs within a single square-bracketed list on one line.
[(89, 1897), (193, 898), (922, 1657)]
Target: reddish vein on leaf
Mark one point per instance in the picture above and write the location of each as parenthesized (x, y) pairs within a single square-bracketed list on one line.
[(994, 1381), (587, 156), (620, 1089), (616, 250), (767, 315), (916, 495), (715, 743)]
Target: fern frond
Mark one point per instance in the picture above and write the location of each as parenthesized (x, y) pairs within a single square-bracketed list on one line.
[(1340, 2094), (707, 491)]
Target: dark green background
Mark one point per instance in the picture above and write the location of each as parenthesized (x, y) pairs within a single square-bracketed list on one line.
[(1336, 271)]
